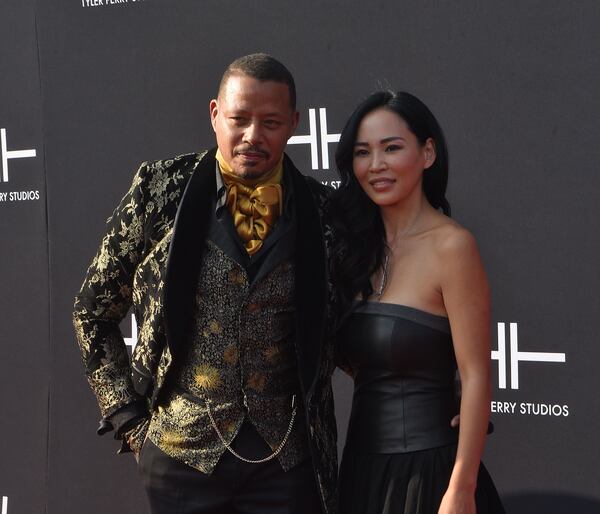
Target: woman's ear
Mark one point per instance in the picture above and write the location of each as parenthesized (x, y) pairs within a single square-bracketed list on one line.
[(429, 152)]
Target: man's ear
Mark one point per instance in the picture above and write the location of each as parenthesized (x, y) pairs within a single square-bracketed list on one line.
[(295, 120), (214, 110)]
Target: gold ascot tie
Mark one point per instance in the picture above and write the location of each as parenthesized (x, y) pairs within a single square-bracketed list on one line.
[(255, 205)]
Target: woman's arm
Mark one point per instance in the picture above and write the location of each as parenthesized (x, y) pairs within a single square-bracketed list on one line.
[(465, 292)]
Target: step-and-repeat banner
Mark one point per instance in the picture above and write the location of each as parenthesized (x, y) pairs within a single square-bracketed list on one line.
[(91, 88), (25, 358)]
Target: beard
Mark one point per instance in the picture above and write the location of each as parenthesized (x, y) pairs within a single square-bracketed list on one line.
[(248, 169)]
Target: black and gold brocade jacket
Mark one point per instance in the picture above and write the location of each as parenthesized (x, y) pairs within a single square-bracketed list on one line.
[(150, 259)]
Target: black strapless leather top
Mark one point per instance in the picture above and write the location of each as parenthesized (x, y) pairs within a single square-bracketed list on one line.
[(404, 364)]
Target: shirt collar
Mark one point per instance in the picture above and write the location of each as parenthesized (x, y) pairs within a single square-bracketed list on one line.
[(221, 190)]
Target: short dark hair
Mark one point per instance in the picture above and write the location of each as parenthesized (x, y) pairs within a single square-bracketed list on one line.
[(262, 67)]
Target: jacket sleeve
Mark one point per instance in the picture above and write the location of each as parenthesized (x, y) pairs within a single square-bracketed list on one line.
[(104, 300)]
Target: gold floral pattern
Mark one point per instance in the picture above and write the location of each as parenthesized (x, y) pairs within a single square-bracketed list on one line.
[(227, 426), (272, 354), (128, 271), (257, 381), (215, 327), (172, 439), (231, 355), (236, 277), (207, 377)]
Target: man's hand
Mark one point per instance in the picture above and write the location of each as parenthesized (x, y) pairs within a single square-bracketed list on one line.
[(136, 436)]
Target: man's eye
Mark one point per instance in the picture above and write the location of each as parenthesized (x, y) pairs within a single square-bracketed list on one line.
[(272, 123)]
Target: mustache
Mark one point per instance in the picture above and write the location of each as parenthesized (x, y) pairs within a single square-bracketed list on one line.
[(253, 149)]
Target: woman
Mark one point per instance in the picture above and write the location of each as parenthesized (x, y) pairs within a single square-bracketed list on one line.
[(420, 306)]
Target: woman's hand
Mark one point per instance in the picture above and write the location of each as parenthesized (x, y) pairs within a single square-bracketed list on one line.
[(457, 502)]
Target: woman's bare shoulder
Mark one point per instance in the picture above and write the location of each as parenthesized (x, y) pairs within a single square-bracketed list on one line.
[(453, 241)]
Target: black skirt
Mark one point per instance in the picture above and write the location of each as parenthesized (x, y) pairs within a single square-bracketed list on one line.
[(406, 483)]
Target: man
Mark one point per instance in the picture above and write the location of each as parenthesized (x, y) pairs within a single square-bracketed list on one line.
[(227, 401)]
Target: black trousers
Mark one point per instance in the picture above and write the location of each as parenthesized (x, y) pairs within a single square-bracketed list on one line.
[(234, 487)]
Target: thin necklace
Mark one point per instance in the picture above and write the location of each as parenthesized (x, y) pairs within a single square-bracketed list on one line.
[(384, 276), (386, 261)]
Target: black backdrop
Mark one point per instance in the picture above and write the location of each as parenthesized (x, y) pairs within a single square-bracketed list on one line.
[(92, 88)]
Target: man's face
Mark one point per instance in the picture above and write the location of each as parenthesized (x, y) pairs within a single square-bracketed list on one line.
[(252, 120)]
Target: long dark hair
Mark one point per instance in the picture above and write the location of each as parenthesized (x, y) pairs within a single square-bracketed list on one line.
[(361, 242)]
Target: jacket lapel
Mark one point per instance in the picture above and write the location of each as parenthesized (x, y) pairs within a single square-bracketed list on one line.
[(192, 223), (310, 281)]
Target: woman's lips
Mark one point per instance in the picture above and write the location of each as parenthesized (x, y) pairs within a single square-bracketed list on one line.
[(381, 184)]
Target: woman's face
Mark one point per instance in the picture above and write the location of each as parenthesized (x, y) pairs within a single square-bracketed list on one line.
[(388, 159)]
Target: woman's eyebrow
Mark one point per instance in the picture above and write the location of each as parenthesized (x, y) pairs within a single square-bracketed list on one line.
[(382, 141)]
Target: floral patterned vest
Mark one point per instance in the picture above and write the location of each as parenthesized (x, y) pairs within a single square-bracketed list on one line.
[(241, 363)]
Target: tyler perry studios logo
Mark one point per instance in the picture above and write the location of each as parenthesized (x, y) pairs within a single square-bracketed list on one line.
[(516, 358), (312, 139), (7, 156), (102, 3)]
